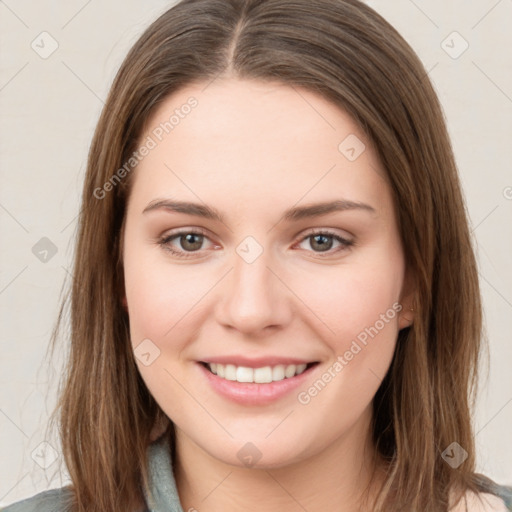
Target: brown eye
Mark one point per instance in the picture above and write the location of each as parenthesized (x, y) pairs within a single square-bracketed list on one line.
[(323, 241), (184, 243), (191, 241)]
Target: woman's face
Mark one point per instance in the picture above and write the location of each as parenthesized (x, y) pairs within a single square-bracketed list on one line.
[(253, 275)]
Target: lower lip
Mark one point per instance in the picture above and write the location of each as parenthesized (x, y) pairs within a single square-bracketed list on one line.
[(251, 393)]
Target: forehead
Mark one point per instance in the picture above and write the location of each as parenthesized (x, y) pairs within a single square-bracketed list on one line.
[(251, 141)]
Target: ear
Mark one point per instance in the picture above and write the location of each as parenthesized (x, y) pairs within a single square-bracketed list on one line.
[(159, 427), (407, 301), (124, 302), (406, 315)]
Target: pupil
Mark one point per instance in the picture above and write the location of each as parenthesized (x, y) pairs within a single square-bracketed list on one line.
[(323, 246), (189, 239)]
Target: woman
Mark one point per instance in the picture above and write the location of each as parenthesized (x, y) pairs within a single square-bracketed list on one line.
[(266, 307)]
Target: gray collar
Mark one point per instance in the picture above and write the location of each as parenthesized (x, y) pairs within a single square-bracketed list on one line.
[(165, 493), (161, 479)]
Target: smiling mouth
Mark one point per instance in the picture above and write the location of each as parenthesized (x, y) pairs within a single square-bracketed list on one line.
[(262, 375)]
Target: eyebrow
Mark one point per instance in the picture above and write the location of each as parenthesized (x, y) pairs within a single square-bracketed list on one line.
[(293, 214)]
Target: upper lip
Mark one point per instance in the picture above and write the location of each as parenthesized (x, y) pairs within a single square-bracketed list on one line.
[(257, 362)]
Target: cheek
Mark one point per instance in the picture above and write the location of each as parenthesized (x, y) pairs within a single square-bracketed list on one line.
[(357, 308), (158, 295), (361, 349), (348, 300), (160, 298)]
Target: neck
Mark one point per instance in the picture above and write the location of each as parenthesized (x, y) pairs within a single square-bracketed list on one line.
[(340, 474)]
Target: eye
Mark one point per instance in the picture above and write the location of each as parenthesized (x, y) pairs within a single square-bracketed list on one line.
[(322, 242), (185, 243), (188, 241)]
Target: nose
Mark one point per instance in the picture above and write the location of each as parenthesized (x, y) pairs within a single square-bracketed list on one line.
[(254, 296)]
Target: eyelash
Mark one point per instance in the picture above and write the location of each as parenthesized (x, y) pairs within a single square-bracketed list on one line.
[(164, 242)]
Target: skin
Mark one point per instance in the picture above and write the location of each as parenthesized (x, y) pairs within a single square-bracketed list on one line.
[(252, 150)]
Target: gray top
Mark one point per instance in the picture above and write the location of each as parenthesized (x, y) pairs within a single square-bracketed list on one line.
[(161, 480), (163, 487)]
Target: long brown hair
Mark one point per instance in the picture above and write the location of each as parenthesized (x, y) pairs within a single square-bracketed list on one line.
[(346, 52)]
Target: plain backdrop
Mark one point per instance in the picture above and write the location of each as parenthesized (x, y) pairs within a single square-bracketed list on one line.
[(58, 59)]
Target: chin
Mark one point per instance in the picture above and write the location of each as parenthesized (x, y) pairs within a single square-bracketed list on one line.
[(260, 453)]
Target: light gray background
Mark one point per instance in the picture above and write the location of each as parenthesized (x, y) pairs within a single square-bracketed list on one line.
[(49, 107)]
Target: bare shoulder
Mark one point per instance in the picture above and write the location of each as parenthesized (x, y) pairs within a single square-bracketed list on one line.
[(481, 502)]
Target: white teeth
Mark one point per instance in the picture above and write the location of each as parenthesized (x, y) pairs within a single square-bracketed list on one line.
[(290, 371), (300, 368), (261, 375), (278, 372), (244, 374), (230, 372)]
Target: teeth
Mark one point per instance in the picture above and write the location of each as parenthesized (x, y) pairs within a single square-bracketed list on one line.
[(278, 372), (290, 371), (259, 375), (230, 372), (244, 374)]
